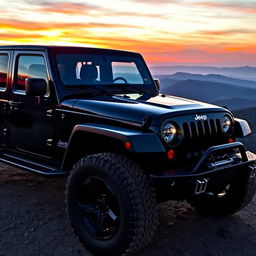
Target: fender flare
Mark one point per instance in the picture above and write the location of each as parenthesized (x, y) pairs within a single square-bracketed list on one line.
[(141, 142), (242, 128)]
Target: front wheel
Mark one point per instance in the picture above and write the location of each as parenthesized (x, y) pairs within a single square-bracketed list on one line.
[(110, 204), (232, 198)]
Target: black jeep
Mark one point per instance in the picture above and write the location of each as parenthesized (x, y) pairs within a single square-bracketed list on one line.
[(96, 116)]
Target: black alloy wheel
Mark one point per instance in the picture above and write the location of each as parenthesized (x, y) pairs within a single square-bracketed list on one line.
[(111, 205), (99, 208)]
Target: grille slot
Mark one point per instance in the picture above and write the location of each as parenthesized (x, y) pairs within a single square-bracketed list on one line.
[(201, 130)]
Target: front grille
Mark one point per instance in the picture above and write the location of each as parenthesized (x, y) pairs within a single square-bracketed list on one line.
[(202, 130)]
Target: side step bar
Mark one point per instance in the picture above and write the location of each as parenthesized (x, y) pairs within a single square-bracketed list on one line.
[(30, 165)]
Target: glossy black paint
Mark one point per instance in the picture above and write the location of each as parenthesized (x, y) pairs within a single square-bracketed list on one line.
[(129, 110), (4, 96), (43, 128)]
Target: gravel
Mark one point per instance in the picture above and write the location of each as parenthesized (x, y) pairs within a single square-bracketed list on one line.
[(33, 222)]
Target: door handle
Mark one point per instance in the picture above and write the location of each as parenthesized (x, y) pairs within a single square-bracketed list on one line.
[(14, 104)]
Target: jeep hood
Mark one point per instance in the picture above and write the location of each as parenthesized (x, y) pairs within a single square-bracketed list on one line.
[(134, 110)]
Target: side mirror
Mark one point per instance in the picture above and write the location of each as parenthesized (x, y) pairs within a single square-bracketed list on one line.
[(157, 83), (35, 86)]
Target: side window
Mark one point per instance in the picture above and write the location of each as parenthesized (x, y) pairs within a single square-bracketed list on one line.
[(29, 67), (3, 70)]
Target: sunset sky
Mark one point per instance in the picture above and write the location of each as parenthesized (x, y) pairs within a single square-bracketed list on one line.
[(166, 32)]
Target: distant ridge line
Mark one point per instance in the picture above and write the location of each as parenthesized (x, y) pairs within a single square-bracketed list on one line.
[(244, 72)]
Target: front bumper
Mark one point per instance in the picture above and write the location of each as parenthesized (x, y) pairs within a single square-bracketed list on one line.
[(208, 175)]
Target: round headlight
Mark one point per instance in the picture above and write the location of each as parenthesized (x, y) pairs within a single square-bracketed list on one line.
[(169, 132), (226, 124)]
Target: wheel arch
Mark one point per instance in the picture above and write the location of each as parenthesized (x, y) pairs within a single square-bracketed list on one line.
[(89, 139)]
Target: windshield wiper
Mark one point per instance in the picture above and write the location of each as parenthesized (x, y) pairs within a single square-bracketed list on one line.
[(124, 88), (95, 88)]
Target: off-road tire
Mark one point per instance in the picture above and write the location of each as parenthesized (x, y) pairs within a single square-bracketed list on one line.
[(134, 194), (239, 194)]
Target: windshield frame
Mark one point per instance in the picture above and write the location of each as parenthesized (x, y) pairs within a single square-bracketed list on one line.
[(148, 88)]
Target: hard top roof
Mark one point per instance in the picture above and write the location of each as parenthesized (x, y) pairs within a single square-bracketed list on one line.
[(59, 48)]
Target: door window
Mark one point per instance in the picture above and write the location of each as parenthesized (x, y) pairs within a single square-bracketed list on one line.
[(3, 70), (29, 67)]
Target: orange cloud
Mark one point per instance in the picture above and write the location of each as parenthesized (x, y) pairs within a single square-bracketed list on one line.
[(36, 26), (227, 32), (161, 37), (250, 49)]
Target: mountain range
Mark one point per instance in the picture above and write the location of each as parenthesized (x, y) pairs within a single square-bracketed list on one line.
[(181, 76), (244, 73), (217, 89)]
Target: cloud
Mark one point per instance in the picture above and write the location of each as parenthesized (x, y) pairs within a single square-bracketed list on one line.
[(13, 24), (37, 26), (66, 7), (165, 30), (88, 9), (229, 32), (240, 6), (76, 33), (159, 2)]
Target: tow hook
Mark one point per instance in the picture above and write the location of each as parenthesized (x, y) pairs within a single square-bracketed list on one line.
[(201, 186)]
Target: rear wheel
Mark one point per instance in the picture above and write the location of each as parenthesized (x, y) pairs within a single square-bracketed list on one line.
[(110, 204), (231, 199)]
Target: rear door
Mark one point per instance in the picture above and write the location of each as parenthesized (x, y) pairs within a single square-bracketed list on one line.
[(5, 57), (30, 127)]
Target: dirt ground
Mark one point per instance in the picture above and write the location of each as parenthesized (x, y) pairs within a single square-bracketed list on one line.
[(33, 222)]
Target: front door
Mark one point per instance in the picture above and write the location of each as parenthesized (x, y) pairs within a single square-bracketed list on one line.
[(30, 128), (4, 95)]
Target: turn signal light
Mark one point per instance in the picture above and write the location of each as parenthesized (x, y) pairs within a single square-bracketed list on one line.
[(128, 145)]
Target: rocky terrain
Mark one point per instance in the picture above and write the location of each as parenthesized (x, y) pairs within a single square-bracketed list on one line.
[(33, 223)]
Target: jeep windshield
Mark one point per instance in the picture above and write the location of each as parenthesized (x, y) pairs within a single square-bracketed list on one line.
[(120, 74)]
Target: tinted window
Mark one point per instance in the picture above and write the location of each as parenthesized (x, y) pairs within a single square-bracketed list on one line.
[(29, 67), (126, 72), (83, 69), (3, 70)]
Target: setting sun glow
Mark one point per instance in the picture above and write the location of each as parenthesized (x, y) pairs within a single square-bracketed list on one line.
[(189, 32)]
